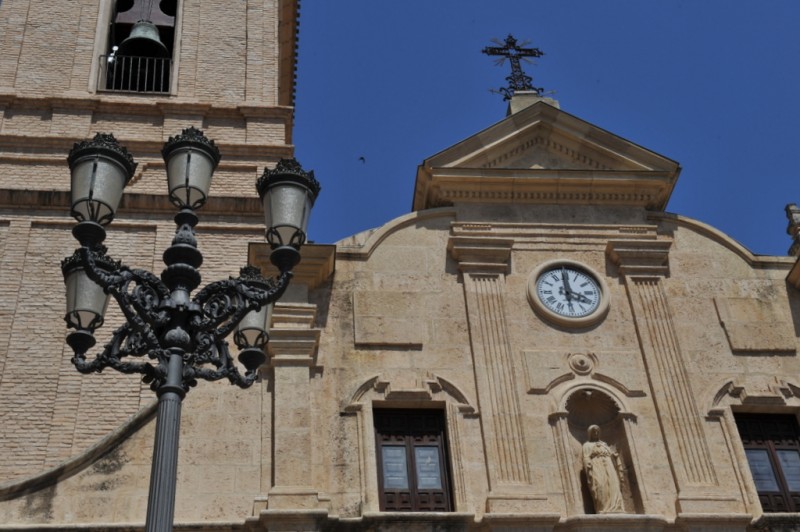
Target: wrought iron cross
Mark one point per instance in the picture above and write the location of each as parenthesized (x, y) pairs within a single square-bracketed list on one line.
[(518, 80)]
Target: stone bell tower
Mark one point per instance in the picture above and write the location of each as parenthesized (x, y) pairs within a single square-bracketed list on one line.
[(142, 70)]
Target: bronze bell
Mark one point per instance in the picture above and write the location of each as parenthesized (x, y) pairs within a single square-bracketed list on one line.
[(143, 41)]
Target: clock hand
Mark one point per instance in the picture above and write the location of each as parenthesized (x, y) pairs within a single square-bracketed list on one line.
[(565, 280), (581, 298)]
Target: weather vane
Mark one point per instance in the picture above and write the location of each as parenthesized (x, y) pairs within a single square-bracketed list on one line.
[(515, 53)]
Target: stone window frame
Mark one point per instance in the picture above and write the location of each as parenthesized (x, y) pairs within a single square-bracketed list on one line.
[(433, 392), (734, 397), (412, 438), (102, 35)]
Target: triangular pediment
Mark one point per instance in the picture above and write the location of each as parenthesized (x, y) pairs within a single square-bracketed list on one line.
[(542, 146), (544, 155)]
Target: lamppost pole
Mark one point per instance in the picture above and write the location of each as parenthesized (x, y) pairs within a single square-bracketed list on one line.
[(164, 471), (170, 336)]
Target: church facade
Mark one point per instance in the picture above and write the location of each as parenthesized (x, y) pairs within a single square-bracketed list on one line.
[(538, 345)]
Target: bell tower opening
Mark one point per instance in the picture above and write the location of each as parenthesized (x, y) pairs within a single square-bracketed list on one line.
[(140, 47)]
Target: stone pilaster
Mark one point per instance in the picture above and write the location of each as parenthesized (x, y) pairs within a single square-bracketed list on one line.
[(292, 502), (559, 424), (292, 349), (643, 264), (631, 430), (483, 262), (734, 448)]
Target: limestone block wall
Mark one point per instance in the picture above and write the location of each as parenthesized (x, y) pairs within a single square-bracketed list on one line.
[(659, 366), (394, 333)]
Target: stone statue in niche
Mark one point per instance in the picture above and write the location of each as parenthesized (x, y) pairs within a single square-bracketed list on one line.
[(603, 473)]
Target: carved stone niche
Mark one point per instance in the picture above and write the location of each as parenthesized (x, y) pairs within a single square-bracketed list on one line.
[(586, 407)]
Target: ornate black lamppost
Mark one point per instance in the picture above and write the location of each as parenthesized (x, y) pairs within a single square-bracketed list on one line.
[(170, 336)]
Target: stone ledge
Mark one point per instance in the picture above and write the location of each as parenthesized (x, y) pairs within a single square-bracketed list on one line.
[(777, 522), (723, 522), (153, 105), (614, 522), (132, 203)]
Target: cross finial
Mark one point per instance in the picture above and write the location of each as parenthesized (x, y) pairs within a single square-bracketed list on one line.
[(518, 80)]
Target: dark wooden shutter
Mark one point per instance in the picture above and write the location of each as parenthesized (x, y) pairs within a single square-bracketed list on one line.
[(413, 470), (772, 445)]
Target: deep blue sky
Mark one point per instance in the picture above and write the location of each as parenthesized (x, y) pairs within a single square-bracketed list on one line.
[(711, 84)]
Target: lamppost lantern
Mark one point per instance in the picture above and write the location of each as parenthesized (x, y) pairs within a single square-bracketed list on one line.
[(86, 300), (287, 195), (191, 159), (100, 169), (252, 333), (170, 335)]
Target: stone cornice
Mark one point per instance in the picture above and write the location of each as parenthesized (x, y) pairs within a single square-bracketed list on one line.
[(526, 235), (138, 105), (438, 187), (361, 245), (131, 203), (260, 111), (476, 254), (61, 145), (756, 261), (293, 347), (72, 103), (640, 257), (294, 315), (316, 267), (177, 107), (292, 339)]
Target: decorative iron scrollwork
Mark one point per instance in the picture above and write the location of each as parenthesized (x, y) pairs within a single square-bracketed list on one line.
[(158, 322)]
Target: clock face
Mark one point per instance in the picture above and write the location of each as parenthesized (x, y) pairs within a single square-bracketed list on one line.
[(568, 291)]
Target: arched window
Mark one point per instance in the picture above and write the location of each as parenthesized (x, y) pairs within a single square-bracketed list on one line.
[(140, 47)]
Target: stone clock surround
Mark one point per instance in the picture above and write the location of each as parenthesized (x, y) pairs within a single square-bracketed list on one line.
[(593, 317)]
